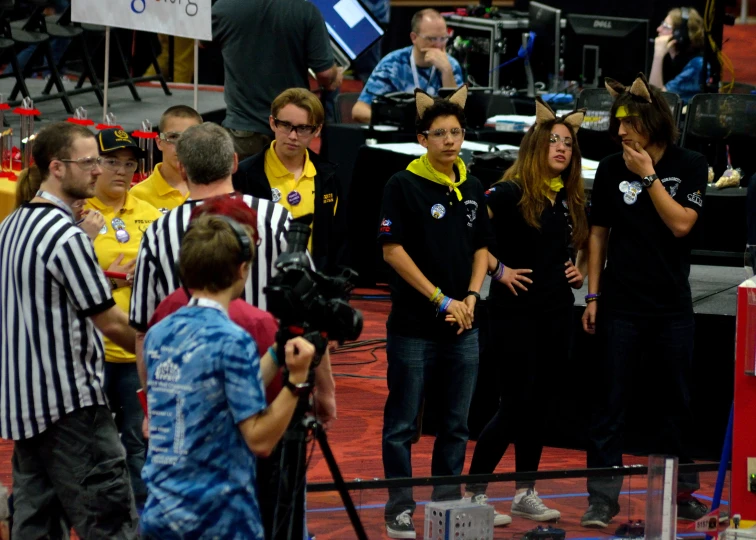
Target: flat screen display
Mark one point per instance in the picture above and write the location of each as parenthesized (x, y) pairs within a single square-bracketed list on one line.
[(350, 25)]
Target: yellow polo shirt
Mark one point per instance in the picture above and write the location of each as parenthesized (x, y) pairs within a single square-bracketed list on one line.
[(283, 184), (156, 191), (136, 216)]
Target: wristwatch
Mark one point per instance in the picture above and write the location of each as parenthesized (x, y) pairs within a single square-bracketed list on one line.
[(648, 180), (473, 293), (300, 389)]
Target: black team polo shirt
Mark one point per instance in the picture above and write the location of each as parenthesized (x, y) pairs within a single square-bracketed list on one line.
[(647, 268), (441, 235)]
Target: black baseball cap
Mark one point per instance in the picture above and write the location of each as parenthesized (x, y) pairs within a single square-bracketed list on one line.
[(110, 140)]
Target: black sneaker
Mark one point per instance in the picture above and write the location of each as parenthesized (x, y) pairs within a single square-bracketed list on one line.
[(401, 526), (599, 515), (691, 509)]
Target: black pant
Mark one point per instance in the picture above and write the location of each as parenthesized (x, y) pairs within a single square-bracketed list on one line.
[(528, 350), (666, 345), (73, 473)]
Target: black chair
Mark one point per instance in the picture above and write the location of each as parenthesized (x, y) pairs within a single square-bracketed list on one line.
[(37, 37), (344, 103), (593, 136), (675, 103), (721, 126)]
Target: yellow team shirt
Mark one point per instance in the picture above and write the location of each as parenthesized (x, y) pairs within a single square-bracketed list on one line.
[(156, 191), (136, 216), (283, 185)]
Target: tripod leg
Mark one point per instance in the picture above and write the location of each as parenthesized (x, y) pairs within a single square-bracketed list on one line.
[(346, 498)]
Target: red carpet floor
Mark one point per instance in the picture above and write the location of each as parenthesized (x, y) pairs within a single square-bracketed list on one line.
[(356, 442)]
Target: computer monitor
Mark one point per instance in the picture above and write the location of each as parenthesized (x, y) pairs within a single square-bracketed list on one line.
[(352, 28), (546, 22), (596, 47)]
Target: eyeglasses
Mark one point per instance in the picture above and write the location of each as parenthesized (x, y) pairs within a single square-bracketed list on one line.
[(434, 39), (302, 129), (113, 164), (171, 137), (667, 26), (85, 163), (438, 134), (555, 139)]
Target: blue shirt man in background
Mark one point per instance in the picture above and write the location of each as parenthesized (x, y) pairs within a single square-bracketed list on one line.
[(423, 65)]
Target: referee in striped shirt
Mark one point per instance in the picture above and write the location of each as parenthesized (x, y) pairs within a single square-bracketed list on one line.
[(207, 160), (68, 462)]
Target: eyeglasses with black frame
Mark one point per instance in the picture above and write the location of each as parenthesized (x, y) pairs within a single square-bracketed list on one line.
[(113, 164), (85, 163), (302, 129), (456, 133)]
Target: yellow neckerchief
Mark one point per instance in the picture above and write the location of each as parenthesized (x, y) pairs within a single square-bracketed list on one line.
[(555, 184), (423, 168)]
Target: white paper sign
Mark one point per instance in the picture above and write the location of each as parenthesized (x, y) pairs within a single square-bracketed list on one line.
[(184, 18)]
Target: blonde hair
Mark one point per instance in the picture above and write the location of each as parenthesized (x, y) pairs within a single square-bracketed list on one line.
[(695, 27), (304, 99)]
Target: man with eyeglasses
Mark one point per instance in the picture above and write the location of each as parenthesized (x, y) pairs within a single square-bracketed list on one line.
[(424, 65), (165, 189), (288, 174), (116, 246), (68, 463)]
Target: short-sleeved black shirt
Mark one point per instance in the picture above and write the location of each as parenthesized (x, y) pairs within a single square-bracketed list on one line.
[(441, 235), (519, 245), (647, 268)]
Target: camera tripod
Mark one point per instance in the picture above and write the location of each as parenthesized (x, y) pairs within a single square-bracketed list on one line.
[(289, 515)]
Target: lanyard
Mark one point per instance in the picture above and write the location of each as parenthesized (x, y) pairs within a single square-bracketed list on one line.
[(56, 201), (413, 65), (206, 302)]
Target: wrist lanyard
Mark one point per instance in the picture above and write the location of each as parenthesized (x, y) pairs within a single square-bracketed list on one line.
[(207, 303), (56, 201), (413, 65)]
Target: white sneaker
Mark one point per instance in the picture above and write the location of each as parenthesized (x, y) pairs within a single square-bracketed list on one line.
[(499, 519), (401, 527), (530, 506)]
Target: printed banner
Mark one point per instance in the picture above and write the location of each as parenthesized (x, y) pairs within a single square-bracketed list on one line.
[(184, 18)]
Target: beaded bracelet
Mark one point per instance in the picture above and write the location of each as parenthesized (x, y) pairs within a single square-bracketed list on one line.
[(499, 272)]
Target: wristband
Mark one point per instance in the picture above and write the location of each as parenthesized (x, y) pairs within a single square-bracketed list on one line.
[(473, 293), (445, 304), (593, 296), (435, 295), (113, 284), (273, 355), (499, 272)]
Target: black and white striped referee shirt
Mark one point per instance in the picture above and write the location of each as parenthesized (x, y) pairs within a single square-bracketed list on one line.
[(51, 355), (156, 273)]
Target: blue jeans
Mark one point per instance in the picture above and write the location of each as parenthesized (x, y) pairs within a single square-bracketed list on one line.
[(667, 342), (121, 385), (411, 363)]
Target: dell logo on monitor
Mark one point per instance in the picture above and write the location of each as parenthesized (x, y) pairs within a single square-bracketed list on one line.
[(598, 23)]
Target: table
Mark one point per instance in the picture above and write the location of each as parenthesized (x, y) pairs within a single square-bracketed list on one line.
[(7, 197)]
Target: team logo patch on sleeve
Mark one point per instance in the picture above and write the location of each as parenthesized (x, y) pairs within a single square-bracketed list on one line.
[(385, 227), (696, 198)]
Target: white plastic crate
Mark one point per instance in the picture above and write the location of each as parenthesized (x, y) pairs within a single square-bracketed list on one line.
[(458, 520)]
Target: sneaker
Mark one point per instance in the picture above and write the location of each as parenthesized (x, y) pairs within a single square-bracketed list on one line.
[(530, 506), (691, 509), (499, 519), (599, 515), (401, 526)]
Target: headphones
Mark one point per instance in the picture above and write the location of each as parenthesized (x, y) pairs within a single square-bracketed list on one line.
[(680, 34), (241, 236)]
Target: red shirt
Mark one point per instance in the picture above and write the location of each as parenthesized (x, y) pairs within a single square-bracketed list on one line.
[(261, 325)]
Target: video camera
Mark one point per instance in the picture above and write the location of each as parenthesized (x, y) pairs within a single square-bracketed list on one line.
[(307, 302)]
